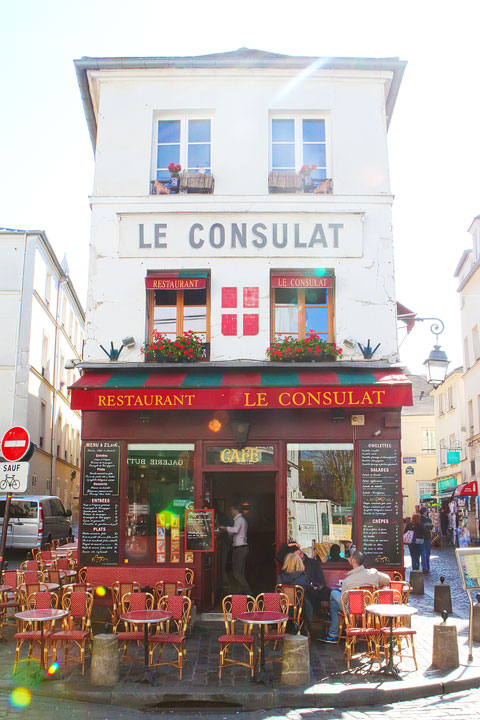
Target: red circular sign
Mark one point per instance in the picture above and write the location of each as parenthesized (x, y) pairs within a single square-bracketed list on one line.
[(15, 444)]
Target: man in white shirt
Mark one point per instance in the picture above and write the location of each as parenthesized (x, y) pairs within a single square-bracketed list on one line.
[(358, 575), (240, 548)]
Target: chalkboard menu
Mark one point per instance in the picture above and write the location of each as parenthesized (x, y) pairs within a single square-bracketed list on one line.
[(199, 530), (100, 528), (381, 501)]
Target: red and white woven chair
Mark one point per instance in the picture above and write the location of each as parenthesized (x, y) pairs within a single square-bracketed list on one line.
[(232, 606), (273, 602), (180, 607), (77, 626), (31, 633), (399, 630), (133, 633), (359, 626)]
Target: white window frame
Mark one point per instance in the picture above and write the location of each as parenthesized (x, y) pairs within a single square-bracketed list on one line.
[(297, 117), (424, 487), (183, 118), (427, 435)]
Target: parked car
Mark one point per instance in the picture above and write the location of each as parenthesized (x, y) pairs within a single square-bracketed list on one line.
[(35, 520)]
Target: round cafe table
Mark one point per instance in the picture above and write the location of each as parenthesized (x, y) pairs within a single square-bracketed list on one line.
[(146, 618), (44, 586), (391, 612), (41, 616), (262, 618)]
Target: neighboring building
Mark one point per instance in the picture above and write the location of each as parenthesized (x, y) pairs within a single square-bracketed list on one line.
[(418, 446), (250, 250), (42, 324)]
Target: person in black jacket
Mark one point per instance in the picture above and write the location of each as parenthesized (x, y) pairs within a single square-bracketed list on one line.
[(417, 546), (293, 573), (316, 590)]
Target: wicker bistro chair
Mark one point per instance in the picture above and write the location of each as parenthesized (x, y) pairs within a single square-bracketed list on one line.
[(403, 588), (165, 587), (9, 601), (358, 626), (341, 615), (276, 602), (295, 595), (232, 606), (77, 626), (132, 633), (399, 630), (180, 607), (119, 589), (64, 563), (36, 565), (31, 632)]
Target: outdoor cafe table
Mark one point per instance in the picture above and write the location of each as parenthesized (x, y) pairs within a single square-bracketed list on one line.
[(391, 612), (146, 618), (44, 586), (262, 618), (41, 616)]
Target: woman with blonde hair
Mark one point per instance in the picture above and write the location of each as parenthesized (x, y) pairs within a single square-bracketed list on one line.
[(293, 573)]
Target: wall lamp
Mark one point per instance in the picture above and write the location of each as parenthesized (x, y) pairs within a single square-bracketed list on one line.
[(129, 341), (240, 430), (112, 354), (338, 415), (437, 363)]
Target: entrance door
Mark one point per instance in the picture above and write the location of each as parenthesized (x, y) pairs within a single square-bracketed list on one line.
[(306, 522), (255, 492)]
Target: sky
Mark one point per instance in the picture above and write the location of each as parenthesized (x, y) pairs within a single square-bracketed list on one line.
[(46, 158)]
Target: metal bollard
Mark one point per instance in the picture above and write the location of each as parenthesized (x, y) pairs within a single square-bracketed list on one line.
[(442, 597), (416, 581), (445, 645)]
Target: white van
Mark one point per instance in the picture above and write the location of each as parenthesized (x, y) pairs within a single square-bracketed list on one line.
[(35, 520)]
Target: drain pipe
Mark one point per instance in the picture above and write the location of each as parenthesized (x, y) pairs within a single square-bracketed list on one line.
[(53, 458)]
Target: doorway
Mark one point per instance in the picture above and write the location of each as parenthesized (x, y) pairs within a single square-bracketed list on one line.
[(255, 492)]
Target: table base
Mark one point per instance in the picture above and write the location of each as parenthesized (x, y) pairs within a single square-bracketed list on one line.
[(147, 677), (263, 677)]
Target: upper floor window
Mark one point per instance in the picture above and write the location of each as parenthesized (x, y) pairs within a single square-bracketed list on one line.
[(178, 304), (428, 440), (186, 142), (301, 303), (440, 404), (299, 141)]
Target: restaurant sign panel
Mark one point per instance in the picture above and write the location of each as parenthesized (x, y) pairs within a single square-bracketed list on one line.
[(242, 398), (380, 479)]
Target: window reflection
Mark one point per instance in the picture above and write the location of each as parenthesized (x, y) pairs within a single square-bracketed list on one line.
[(321, 498)]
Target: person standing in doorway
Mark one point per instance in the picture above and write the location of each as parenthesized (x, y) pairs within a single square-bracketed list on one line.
[(239, 532)]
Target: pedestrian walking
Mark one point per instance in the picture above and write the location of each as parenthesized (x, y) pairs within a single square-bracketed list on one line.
[(239, 532)]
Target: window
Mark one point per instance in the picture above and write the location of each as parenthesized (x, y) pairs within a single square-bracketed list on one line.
[(296, 310), (476, 344), (159, 488), (297, 142), (45, 357), (450, 398), (172, 310), (186, 141), (43, 416), (466, 356), (470, 416), (440, 404), (48, 289), (320, 494), (428, 440), (427, 488)]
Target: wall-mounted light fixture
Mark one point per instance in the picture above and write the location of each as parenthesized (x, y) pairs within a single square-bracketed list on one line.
[(367, 351), (113, 354), (338, 415), (240, 430), (376, 433), (129, 341), (144, 416)]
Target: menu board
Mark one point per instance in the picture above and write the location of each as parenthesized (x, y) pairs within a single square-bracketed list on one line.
[(199, 535), (381, 501), (100, 528)]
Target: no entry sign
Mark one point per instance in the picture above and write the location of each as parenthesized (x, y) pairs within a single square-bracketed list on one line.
[(15, 444)]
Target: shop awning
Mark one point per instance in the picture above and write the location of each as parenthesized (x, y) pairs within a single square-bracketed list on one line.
[(468, 488), (203, 388)]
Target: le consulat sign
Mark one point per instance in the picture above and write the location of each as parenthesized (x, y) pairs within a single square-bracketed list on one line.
[(241, 235)]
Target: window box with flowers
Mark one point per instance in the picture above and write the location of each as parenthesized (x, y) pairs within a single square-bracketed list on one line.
[(310, 349), (188, 347)]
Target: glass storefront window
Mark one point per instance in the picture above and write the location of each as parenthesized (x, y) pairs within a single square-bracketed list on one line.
[(321, 498), (159, 488)]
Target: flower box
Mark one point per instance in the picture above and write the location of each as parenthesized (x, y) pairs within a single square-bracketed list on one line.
[(192, 182), (185, 348), (311, 349), (284, 182)]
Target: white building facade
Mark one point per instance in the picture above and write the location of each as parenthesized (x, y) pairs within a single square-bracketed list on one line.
[(256, 246), (44, 320)]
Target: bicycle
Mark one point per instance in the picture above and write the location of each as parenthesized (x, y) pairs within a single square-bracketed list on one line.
[(9, 482)]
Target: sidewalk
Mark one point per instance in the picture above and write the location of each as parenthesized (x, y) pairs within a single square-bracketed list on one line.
[(331, 684)]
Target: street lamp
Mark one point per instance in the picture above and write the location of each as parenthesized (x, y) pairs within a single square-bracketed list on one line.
[(437, 362)]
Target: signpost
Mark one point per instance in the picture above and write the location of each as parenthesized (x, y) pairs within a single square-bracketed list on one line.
[(468, 560), (13, 473)]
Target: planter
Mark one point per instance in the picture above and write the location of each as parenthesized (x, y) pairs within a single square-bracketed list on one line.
[(284, 182), (307, 184), (200, 183), (174, 185)]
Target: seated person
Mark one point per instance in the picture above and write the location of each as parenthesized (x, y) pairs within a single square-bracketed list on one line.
[(335, 555), (359, 575), (293, 573), (316, 591)]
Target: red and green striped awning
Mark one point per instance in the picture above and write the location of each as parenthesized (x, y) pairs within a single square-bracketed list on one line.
[(227, 388)]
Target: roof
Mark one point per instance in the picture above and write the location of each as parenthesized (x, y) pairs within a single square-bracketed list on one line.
[(423, 402), (242, 58), (460, 263), (219, 388)]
